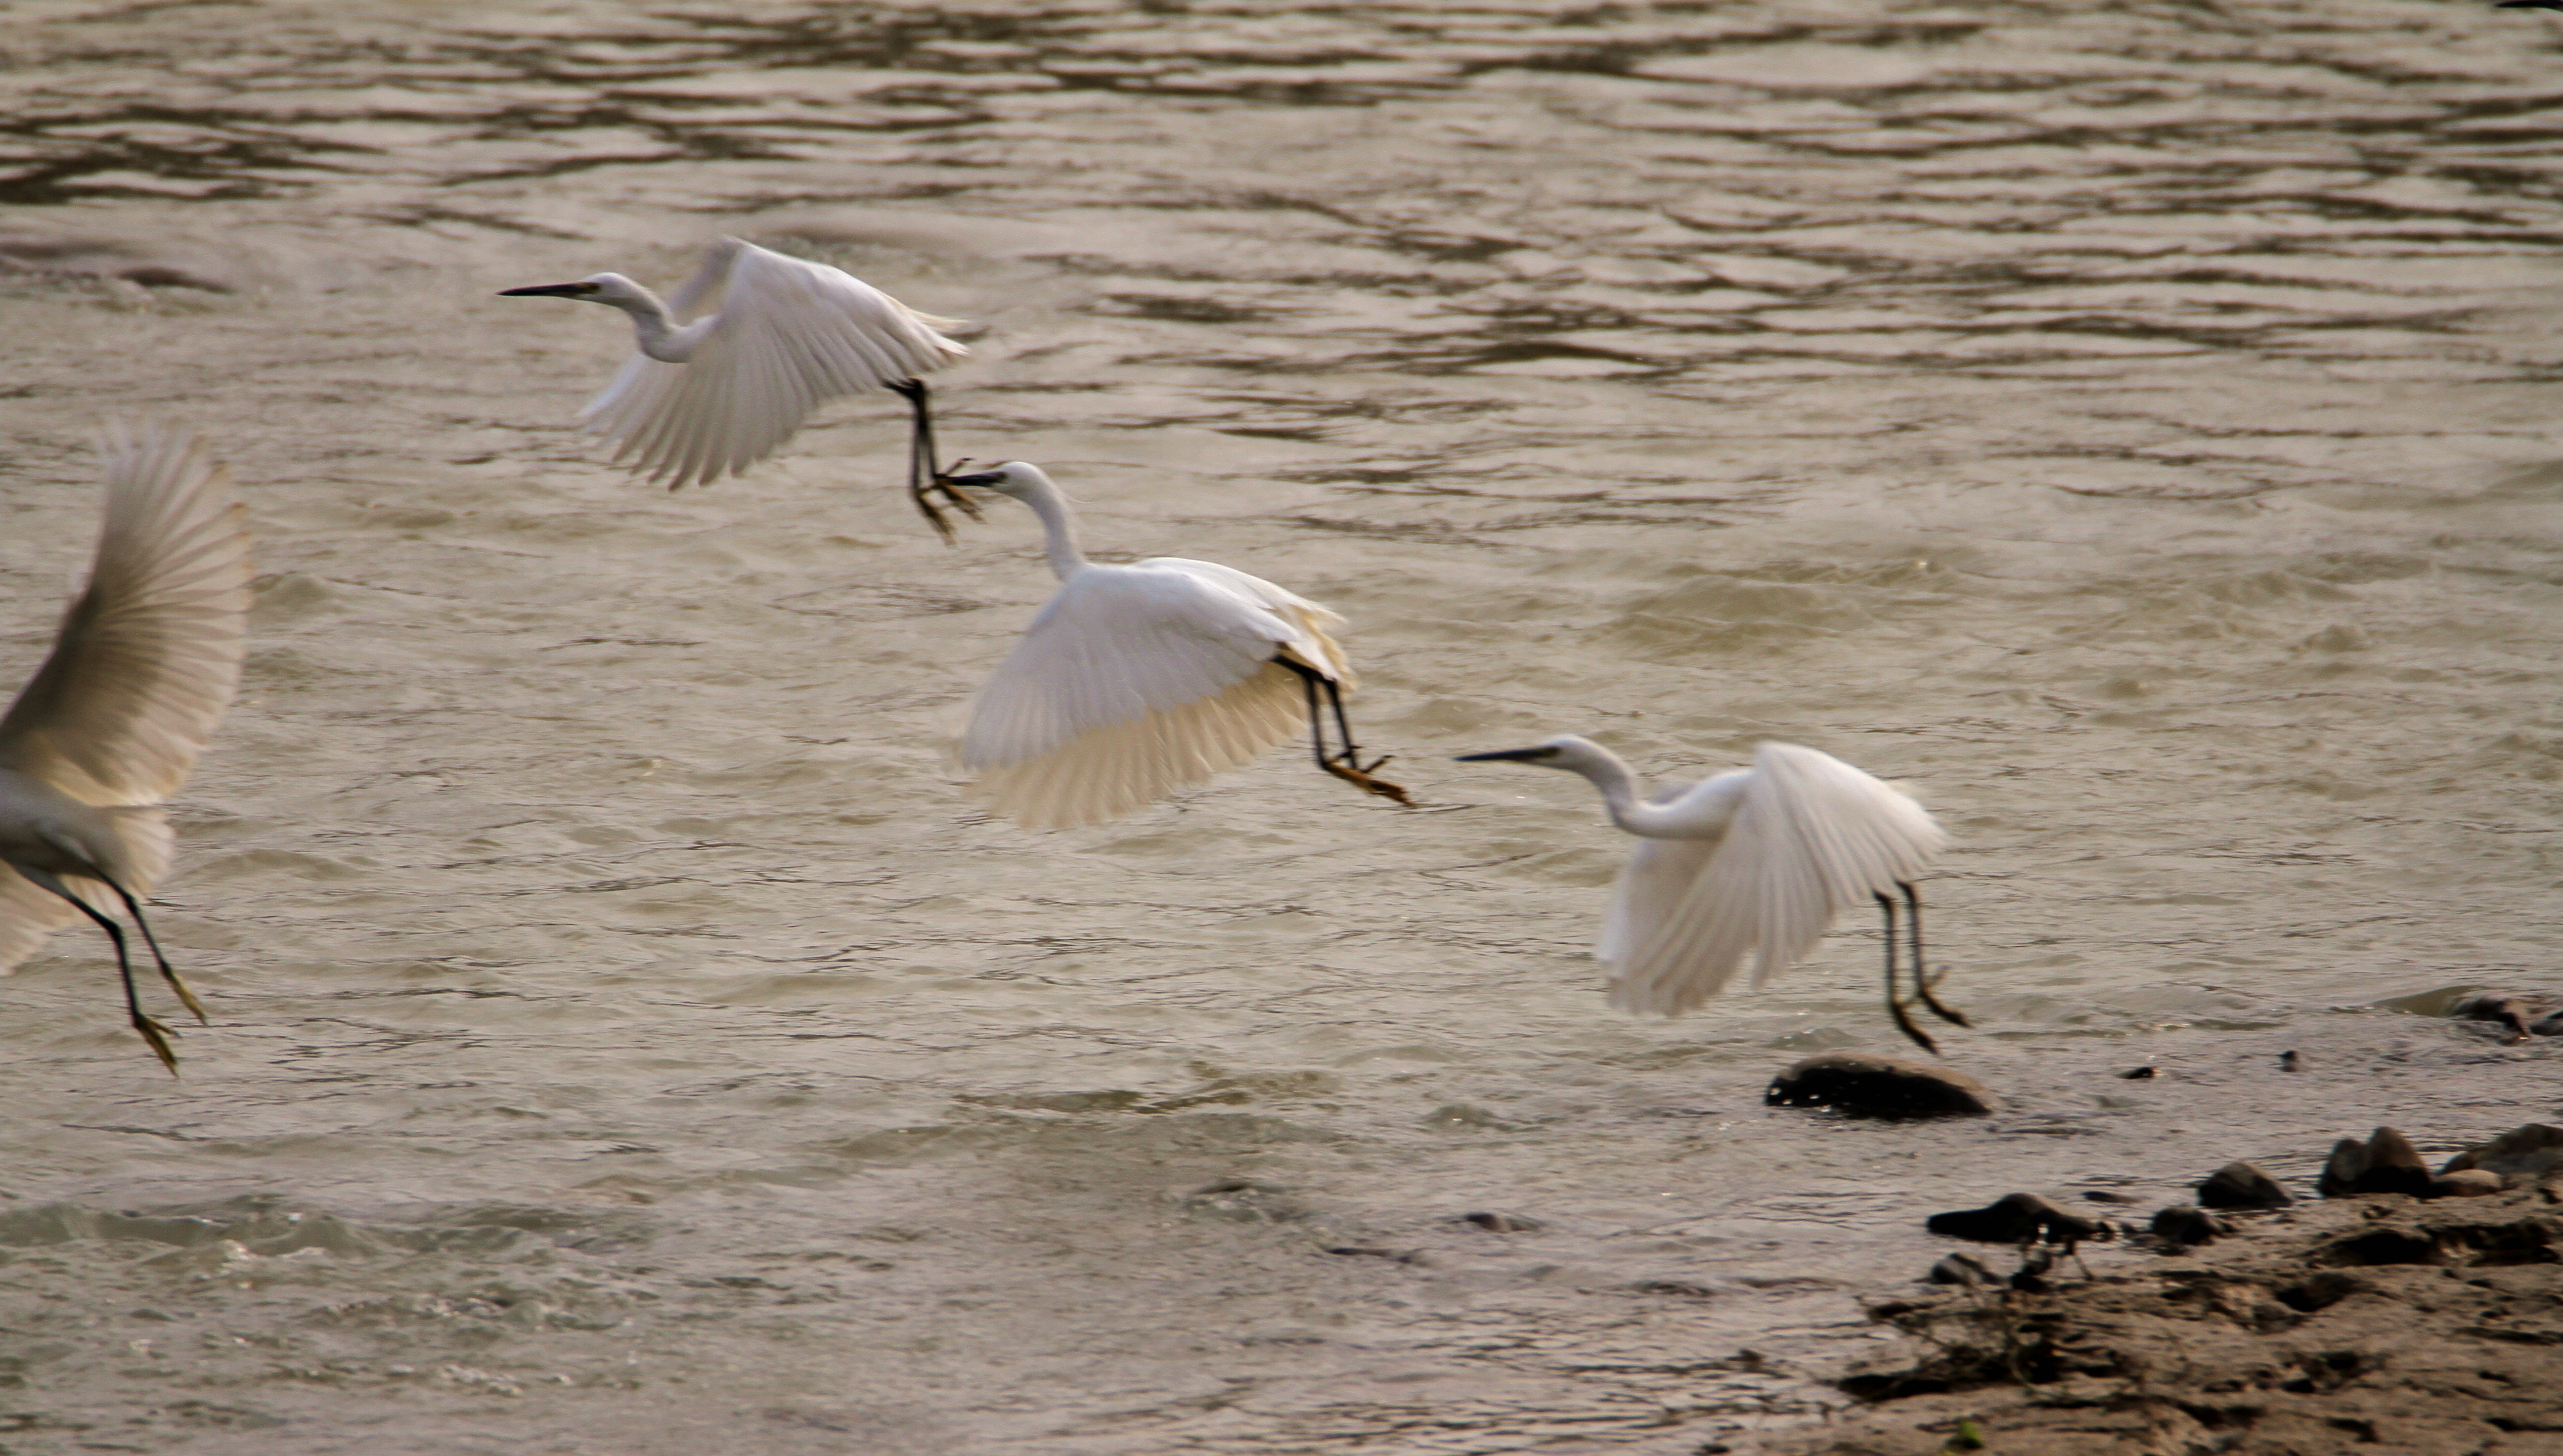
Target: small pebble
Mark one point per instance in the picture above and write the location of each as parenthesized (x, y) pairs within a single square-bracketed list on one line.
[(1965, 1270), (2184, 1226), (2240, 1185), (2465, 1183), (2290, 1062)]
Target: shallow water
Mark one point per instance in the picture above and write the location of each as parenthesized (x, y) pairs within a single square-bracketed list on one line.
[(2131, 426)]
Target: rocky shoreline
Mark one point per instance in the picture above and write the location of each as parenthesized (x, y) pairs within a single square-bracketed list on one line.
[(2370, 1322)]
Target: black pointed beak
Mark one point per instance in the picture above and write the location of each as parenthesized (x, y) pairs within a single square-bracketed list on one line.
[(547, 290), (1507, 756)]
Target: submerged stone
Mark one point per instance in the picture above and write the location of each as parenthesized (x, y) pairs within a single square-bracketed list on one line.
[(1865, 1085)]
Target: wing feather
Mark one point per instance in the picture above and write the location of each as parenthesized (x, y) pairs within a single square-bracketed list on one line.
[(1811, 836), (149, 655), (1134, 682), (790, 336)]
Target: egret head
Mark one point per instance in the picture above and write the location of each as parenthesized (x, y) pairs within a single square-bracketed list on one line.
[(610, 288), (1567, 751), (1014, 478)]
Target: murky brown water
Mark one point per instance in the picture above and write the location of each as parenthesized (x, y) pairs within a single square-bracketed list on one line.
[(2132, 424)]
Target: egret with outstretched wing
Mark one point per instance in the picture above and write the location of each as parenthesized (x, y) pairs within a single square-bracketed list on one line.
[(143, 668), (1136, 681), (730, 368), (1751, 862)]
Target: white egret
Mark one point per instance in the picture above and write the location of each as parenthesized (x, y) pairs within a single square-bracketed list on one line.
[(1752, 861), (1136, 681), (730, 368), (142, 669)]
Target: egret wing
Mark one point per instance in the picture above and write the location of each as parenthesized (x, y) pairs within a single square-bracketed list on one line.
[(149, 654), (789, 335), (1133, 682), (1811, 835)]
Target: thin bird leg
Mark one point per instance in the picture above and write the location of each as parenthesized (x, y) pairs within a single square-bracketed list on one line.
[(1342, 766), (152, 1031), (1349, 767), (920, 459), (1317, 720), (923, 474), (1895, 1001), (1922, 981), (168, 973)]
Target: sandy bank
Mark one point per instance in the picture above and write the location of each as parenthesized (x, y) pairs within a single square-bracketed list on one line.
[(2369, 1325)]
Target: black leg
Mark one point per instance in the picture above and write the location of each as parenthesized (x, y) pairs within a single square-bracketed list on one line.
[(1346, 766), (1921, 975), (152, 1031), (1895, 997), (922, 475), (168, 973), (1317, 720)]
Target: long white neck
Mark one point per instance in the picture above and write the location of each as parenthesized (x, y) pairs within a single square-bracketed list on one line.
[(1059, 524), (659, 339), (1628, 809)]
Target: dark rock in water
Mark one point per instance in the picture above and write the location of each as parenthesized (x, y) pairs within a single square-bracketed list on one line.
[(2465, 1183), (2138, 1074), (2521, 1015), (1862, 1085), (1502, 1223), (2385, 1163), (1963, 1269), (2016, 1218), (2098, 1195), (1373, 1251), (2520, 1155), (2240, 1185), (2184, 1226), (2291, 1061)]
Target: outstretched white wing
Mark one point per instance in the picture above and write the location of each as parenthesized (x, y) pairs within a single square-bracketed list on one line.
[(1809, 835), (149, 655), (790, 336), (1136, 681), (143, 668)]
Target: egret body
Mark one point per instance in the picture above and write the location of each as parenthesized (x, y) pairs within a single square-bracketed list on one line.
[(1136, 681), (1751, 862), (729, 368), (143, 668)]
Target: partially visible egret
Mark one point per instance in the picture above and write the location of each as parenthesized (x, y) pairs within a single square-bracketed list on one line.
[(143, 668), (1136, 681), (1754, 861), (731, 365)]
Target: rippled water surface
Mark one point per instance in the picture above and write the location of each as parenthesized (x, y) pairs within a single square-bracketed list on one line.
[(2132, 425)]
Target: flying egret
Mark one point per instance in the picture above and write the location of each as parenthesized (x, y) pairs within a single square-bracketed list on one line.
[(1754, 860), (145, 662), (1136, 681), (730, 368)]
